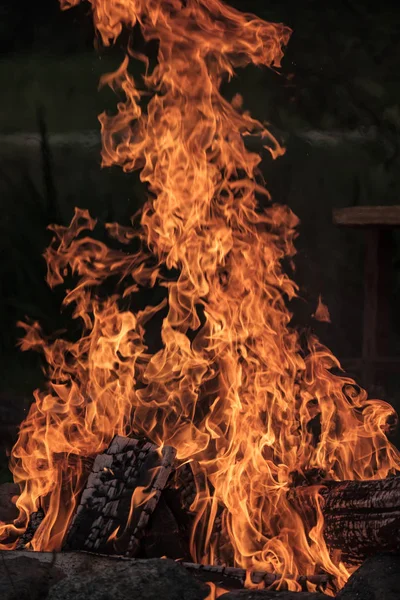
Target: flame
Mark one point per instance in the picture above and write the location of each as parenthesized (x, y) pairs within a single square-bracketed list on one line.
[(232, 386), (322, 312), (215, 591), (249, 583)]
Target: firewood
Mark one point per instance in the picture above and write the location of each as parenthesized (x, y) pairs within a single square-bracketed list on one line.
[(166, 535), (34, 521), (233, 577), (105, 521), (361, 518)]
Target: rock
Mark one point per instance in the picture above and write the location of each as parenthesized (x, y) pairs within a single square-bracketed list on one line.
[(82, 575), (151, 579), (271, 595), (8, 510), (378, 578), (25, 578)]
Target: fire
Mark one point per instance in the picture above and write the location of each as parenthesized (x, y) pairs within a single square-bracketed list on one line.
[(322, 312), (232, 386), (215, 591)]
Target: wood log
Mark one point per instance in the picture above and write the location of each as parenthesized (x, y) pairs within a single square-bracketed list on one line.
[(109, 517), (361, 518), (233, 577), (159, 525), (34, 521)]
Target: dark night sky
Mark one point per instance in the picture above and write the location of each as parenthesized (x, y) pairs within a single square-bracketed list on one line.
[(27, 26)]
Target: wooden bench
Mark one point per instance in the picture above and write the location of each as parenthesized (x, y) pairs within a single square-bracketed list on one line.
[(377, 222)]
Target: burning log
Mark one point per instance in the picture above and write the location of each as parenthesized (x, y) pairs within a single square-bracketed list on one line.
[(232, 577), (361, 518), (34, 522), (136, 503), (130, 507), (122, 491)]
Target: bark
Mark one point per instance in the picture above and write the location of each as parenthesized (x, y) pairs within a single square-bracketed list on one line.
[(362, 518)]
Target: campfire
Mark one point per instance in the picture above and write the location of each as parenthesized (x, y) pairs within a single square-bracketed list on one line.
[(199, 425)]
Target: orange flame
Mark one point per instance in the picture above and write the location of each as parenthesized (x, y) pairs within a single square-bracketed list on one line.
[(322, 312), (215, 591), (233, 386)]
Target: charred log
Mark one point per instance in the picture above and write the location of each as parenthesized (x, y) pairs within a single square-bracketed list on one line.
[(362, 518), (35, 520), (121, 494), (137, 503), (232, 577)]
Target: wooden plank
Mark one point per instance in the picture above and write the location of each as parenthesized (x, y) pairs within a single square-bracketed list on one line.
[(367, 216)]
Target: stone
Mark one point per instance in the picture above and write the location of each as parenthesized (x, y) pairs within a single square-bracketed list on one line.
[(378, 578), (25, 578), (152, 579), (8, 510), (81, 575)]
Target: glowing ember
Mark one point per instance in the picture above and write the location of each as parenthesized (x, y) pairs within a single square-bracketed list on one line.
[(232, 386)]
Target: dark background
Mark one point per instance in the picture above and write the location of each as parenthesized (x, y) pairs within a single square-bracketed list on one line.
[(336, 107)]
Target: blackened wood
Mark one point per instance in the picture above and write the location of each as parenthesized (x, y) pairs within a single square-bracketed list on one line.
[(361, 518), (234, 577), (105, 521), (185, 484), (165, 534), (35, 520)]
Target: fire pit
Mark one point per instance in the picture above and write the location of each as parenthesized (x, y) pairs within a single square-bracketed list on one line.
[(194, 423)]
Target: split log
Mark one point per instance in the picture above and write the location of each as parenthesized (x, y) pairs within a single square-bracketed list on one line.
[(121, 493), (159, 515), (34, 522)]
